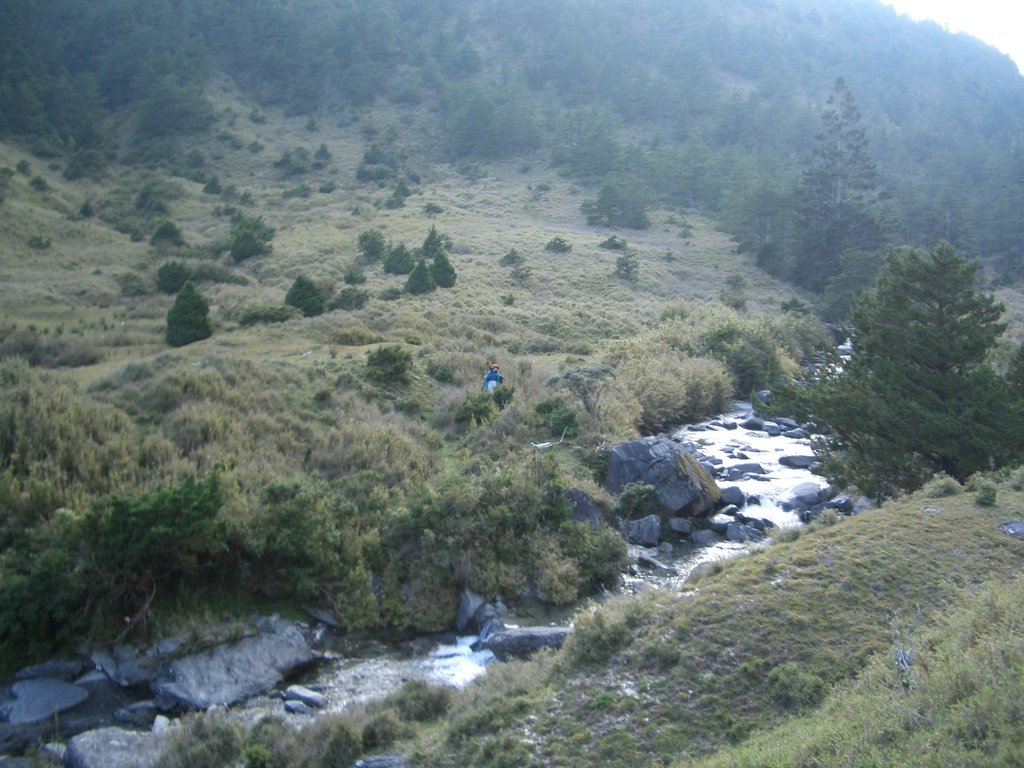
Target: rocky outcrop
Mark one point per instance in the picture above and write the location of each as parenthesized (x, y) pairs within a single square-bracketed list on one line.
[(682, 487), (231, 672)]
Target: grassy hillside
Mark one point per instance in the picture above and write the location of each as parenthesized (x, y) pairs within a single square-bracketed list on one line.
[(97, 404), (664, 678)]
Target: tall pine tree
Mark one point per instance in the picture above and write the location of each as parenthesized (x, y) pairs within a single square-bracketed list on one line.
[(837, 196), (918, 395)]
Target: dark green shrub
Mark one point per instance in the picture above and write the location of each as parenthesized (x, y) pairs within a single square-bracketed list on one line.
[(384, 729), (399, 195), (503, 396), (627, 266), (188, 319), (306, 296), (213, 187), (294, 162), (85, 163), (134, 284), (153, 543), (560, 419), (418, 701), (558, 244), (250, 237), (202, 741), (371, 245), (435, 243), (389, 364), (330, 742), (637, 500), (390, 294), (267, 313), (398, 260), (167, 232), (442, 271), (39, 183), (512, 259), (172, 276), (476, 409), (350, 298), (795, 688), (354, 275), (420, 280)]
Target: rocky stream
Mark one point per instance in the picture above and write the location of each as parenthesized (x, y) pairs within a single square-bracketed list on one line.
[(113, 707)]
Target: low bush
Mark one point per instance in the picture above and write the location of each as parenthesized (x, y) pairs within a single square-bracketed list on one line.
[(306, 296), (476, 409), (349, 298), (172, 276), (389, 365), (254, 314)]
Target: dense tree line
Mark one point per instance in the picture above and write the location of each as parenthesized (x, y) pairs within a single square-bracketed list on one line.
[(728, 97)]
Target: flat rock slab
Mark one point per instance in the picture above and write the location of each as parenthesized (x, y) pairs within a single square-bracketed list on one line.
[(114, 748), (41, 698), (229, 673)]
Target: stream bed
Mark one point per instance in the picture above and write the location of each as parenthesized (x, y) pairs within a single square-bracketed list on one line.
[(355, 672)]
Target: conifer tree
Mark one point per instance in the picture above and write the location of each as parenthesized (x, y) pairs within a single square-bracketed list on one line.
[(434, 243), (188, 319), (398, 260), (307, 296), (918, 395), (442, 270), (420, 279), (837, 195)]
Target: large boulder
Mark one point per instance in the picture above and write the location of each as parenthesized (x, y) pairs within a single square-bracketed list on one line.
[(39, 699), (681, 485), (646, 531), (522, 642), (114, 748), (233, 671)]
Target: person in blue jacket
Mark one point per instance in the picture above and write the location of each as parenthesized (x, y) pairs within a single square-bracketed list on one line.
[(492, 378)]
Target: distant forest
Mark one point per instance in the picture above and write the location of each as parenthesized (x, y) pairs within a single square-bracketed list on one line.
[(709, 105)]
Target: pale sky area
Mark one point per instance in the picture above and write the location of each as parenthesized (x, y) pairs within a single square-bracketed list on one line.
[(1000, 23)]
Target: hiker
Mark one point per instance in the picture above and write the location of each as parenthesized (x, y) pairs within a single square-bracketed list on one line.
[(492, 378)]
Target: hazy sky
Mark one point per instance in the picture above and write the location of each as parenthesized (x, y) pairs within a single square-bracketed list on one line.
[(999, 23)]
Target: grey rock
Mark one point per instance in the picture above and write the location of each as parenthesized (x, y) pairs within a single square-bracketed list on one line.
[(805, 496), (522, 642), (114, 748), (798, 462), (753, 423), (1014, 528), (720, 523), (681, 525), (705, 538), (469, 603), (797, 433), (584, 508), (738, 532), (295, 707), (646, 531), (232, 672), (40, 699), (733, 495), (123, 665), (307, 696), (383, 761), (747, 468), (772, 429), (66, 670), (664, 465)]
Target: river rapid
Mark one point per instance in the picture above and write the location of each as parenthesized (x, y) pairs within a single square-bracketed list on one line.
[(356, 671)]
